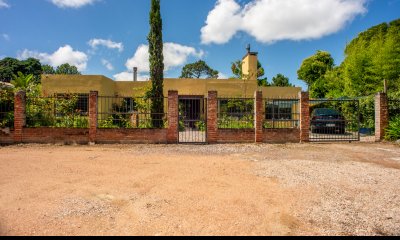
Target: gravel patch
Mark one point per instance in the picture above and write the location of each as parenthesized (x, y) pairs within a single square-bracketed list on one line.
[(345, 198)]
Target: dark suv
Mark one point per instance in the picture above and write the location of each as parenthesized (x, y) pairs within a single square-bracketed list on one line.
[(327, 121)]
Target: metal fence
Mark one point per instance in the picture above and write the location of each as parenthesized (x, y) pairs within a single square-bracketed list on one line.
[(59, 111), (236, 113), (192, 119), (282, 114), (394, 108), (6, 109), (131, 113), (333, 120)]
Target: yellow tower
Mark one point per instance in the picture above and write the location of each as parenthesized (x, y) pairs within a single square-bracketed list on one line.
[(249, 65)]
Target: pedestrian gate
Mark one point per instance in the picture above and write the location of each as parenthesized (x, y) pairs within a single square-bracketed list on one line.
[(192, 119)]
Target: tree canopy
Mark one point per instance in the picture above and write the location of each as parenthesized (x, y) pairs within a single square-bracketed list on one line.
[(199, 69), (372, 57), (281, 81), (11, 66), (66, 69)]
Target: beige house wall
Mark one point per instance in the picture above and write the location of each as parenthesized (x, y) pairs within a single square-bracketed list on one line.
[(244, 88), (52, 84)]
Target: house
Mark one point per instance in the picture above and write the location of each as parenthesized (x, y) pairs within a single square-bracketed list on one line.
[(240, 88)]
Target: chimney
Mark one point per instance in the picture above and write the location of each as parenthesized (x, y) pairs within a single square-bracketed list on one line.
[(135, 70), (249, 64)]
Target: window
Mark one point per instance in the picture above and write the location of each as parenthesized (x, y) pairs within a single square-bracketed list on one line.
[(280, 109)]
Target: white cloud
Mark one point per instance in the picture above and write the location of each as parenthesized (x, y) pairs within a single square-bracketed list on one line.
[(6, 37), (63, 55), (128, 76), (222, 76), (175, 55), (274, 20), (4, 4), (107, 64), (140, 59), (72, 3), (94, 43), (222, 22)]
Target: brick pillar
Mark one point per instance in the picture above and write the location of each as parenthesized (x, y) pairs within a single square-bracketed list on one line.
[(304, 116), (173, 117), (93, 100), (19, 115), (258, 116), (381, 116), (212, 117)]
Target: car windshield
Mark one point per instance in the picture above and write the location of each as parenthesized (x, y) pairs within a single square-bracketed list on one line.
[(326, 112)]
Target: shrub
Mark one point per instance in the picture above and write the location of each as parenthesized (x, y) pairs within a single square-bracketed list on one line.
[(393, 131), (201, 126)]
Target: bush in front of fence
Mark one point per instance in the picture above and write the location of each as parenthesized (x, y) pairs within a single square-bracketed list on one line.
[(393, 131), (6, 108)]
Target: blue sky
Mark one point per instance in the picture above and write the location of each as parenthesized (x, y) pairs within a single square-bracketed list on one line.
[(108, 37)]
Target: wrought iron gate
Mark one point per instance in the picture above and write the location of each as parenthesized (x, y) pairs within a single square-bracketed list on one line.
[(192, 119), (334, 120)]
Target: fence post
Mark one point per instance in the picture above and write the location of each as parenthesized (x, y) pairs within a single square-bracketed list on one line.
[(19, 115), (258, 116), (212, 117), (173, 117), (304, 116), (93, 109), (381, 116)]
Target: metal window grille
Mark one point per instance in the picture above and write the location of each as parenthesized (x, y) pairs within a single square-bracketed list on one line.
[(236, 113), (130, 113), (59, 111), (281, 113), (6, 109)]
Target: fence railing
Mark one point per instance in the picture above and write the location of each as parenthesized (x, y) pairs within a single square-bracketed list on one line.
[(6, 109), (236, 113), (131, 113), (59, 111), (394, 108), (282, 113)]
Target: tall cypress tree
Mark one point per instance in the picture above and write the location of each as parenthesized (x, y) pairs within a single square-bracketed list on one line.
[(156, 64)]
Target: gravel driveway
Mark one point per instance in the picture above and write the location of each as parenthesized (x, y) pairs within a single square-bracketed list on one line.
[(293, 189)]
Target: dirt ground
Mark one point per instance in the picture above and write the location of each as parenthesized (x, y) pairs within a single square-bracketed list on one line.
[(294, 189)]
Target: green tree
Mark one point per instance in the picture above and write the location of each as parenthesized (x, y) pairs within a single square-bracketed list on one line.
[(11, 66), (21, 81), (47, 69), (315, 67), (66, 69), (373, 56), (237, 72), (281, 81), (156, 59), (199, 69)]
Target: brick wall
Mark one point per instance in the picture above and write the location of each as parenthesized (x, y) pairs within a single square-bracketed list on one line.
[(304, 116), (235, 136), (126, 136), (281, 135), (169, 135), (55, 135), (6, 136), (381, 116), (173, 115), (212, 118), (93, 99), (19, 115), (259, 117)]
